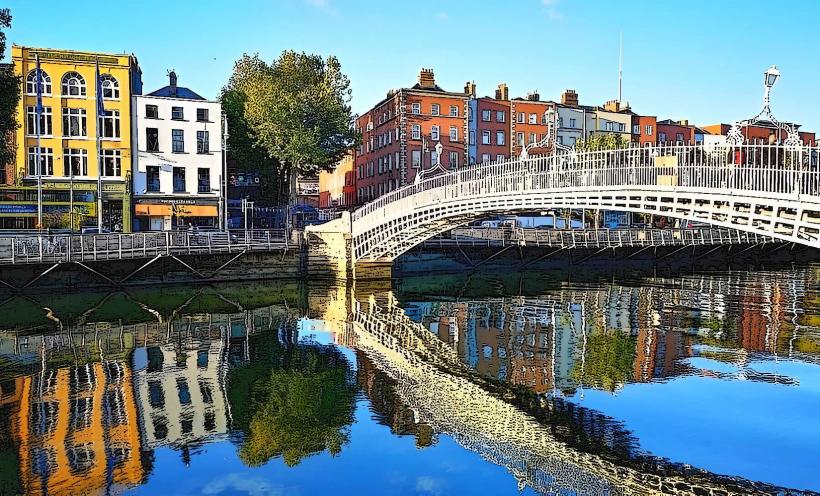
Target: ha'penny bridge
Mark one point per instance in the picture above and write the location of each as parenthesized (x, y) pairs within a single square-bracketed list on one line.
[(744, 193)]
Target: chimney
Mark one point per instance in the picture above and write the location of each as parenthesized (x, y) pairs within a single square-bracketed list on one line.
[(426, 79), (469, 88), (612, 106), (502, 93), (683, 122), (569, 98), (533, 96), (172, 77)]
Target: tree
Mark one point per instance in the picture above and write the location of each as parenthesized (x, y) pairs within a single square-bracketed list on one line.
[(605, 141), (9, 96), (295, 111)]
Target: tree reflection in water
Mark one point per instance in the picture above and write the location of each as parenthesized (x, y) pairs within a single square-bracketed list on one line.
[(291, 400)]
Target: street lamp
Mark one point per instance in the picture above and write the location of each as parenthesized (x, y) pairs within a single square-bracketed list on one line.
[(771, 76), (735, 136)]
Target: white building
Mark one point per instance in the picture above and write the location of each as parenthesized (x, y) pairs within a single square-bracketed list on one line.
[(178, 163)]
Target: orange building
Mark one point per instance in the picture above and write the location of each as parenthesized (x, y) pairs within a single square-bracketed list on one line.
[(400, 133), (491, 132), (644, 130), (78, 431)]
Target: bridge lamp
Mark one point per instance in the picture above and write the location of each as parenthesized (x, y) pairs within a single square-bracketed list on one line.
[(771, 76)]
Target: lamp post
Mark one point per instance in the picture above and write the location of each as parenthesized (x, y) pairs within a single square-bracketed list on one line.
[(551, 137), (246, 205), (735, 136)]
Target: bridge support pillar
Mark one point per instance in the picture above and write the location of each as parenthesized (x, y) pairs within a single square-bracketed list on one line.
[(330, 249)]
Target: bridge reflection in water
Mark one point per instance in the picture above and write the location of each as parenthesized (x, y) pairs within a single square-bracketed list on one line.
[(87, 398)]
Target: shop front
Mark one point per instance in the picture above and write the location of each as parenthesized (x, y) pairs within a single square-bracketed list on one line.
[(164, 214)]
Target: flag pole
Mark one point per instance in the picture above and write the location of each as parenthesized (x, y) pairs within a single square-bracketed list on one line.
[(38, 130), (98, 87)]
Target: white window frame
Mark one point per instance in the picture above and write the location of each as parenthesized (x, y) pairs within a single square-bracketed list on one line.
[(112, 119), (435, 109), (453, 111), (69, 154), (434, 133), (500, 116), (486, 137), (46, 122), (453, 160), (78, 114), (572, 123), (415, 108), (111, 86), (500, 138), (533, 119), (115, 156), (66, 85), (649, 129), (500, 158), (416, 132), (46, 157), (453, 133), (485, 158), (415, 159), (486, 115), (31, 83)]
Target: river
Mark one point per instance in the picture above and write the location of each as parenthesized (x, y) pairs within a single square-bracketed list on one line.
[(468, 383)]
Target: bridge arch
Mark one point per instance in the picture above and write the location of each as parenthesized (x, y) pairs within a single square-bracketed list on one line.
[(762, 189)]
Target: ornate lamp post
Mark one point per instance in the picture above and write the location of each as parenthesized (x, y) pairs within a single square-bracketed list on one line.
[(735, 136), (550, 138)]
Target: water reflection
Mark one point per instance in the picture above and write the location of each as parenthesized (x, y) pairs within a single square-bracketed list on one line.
[(592, 388)]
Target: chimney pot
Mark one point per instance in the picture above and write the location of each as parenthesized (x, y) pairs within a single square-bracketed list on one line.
[(427, 79), (569, 98), (502, 92)]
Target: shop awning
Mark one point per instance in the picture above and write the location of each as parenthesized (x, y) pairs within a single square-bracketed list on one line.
[(153, 210), (197, 211)]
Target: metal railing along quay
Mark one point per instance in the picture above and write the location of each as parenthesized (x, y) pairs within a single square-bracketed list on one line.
[(58, 248)]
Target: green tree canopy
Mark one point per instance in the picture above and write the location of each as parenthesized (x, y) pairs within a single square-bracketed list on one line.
[(608, 360), (292, 402), (9, 96), (602, 141), (292, 116)]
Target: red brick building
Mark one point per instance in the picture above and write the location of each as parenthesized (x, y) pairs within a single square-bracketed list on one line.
[(490, 126), (761, 132), (399, 135), (644, 130), (529, 124), (675, 132)]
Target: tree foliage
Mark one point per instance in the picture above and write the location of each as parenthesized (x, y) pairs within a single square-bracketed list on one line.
[(9, 96), (292, 116), (608, 360), (292, 402), (603, 141)]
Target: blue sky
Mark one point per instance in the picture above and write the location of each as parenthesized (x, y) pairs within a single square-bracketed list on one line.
[(701, 60)]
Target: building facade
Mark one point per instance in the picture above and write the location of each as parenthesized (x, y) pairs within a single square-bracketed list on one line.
[(489, 127), (675, 132), (69, 129), (529, 123), (334, 191), (572, 119), (761, 132), (178, 173)]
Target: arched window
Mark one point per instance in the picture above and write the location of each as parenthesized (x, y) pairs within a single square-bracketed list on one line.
[(110, 87), (31, 82), (73, 84)]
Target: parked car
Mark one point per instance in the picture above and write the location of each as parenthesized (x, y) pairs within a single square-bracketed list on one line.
[(94, 230)]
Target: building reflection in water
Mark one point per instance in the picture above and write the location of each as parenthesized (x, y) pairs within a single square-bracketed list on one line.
[(90, 427)]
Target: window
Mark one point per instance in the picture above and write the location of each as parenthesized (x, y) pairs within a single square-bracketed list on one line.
[(520, 139), (649, 130), (453, 111), (110, 124), (46, 161), (485, 115), (416, 108), (572, 123), (73, 84), (152, 178), (416, 132), (433, 157), (521, 117), (533, 119), (453, 133), (152, 139), (177, 114), (75, 162), (560, 140), (74, 122), (485, 157), (499, 137), (621, 127), (434, 133), (472, 137), (179, 179), (500, 115), (202, 115), (532, 138), (112, 165), (202, 142), (609, 126), (485, 137), (636, 129), (678, 137), (662, 137), (45, 121), (203, 180), (560, 120), (453, 160), (499, 158), (435, 109), (151, 112), (110, 87), (31, 82), (177, 141), (416, 158)]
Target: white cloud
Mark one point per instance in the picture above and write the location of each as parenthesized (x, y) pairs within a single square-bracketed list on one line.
[(323, 5), (551, 7), (242, 484)]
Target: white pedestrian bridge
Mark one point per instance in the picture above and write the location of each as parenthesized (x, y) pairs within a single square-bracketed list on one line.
[(768, 190)]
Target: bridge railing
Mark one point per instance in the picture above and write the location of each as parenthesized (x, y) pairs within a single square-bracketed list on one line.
[(55, 248), (770, 170)]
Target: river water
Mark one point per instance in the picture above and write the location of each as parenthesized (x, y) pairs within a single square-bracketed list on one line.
[(470, 383)]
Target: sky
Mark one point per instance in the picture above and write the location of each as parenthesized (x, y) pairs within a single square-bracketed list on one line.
[(701, 60)]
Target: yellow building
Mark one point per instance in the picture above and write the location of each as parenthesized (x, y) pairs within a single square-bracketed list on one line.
[(69, 131), (336, 187)]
